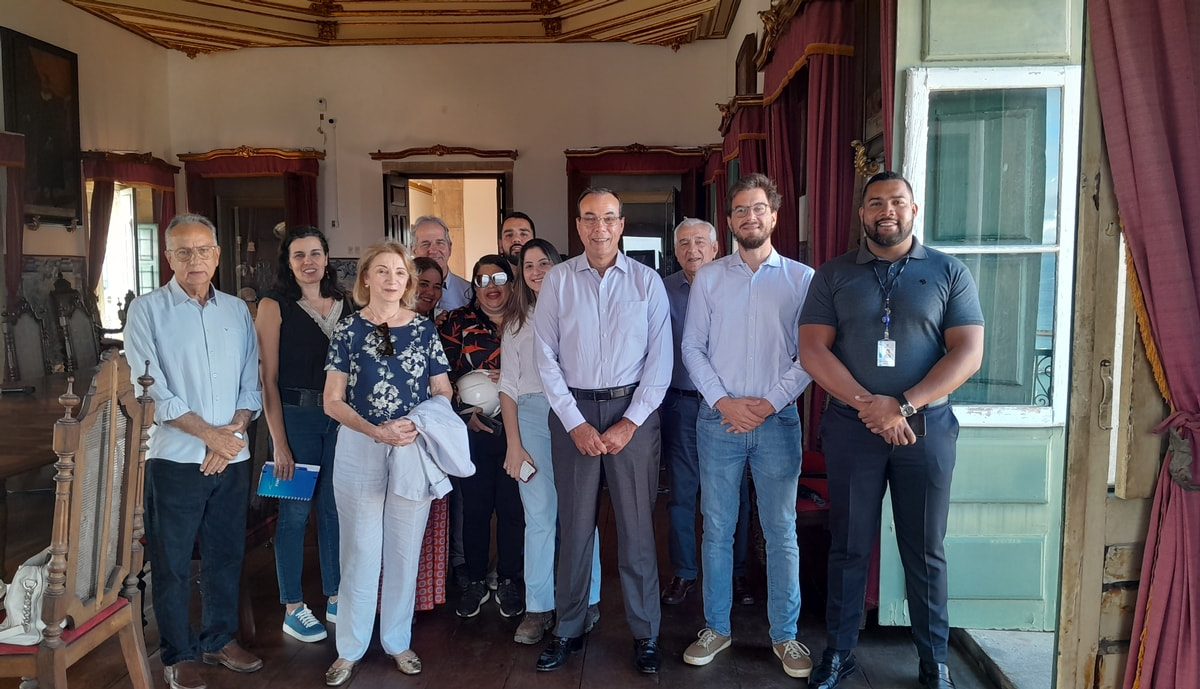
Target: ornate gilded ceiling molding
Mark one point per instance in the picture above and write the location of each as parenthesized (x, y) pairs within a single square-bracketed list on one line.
[(552, 26), (441, 150), (249, 151), (545, 6), (327, 31), (325, 8), (863, 165), (683, 151), (735, 104), (774, 20)]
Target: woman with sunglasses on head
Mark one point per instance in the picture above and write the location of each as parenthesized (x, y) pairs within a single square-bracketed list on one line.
[(383, 361), (525, 411), (471, 336), (302, 310)]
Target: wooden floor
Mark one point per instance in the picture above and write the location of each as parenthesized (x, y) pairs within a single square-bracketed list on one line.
[(479, 653)]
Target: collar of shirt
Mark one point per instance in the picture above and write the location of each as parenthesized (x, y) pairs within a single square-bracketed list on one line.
[(865, 255), (178, 296), (774, 260), (622, 264)]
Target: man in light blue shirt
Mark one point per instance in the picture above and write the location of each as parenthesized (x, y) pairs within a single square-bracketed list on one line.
[(695, 247), (603, 351), (203, 354), (431, 239), (740, 346)]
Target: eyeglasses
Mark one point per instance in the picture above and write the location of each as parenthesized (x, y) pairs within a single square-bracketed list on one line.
[(186, 253), (592, 222), (385, 340), (497, 279), (759, 209)]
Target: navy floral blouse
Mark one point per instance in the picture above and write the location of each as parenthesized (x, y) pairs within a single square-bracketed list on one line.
[(381, 388)]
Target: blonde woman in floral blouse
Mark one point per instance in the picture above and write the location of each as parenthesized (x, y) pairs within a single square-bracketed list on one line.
[(383, 361)]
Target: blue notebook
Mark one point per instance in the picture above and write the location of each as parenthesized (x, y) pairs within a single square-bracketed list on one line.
[(304, 480)]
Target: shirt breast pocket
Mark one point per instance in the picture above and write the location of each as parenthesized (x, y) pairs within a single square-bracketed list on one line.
[(629, 325)]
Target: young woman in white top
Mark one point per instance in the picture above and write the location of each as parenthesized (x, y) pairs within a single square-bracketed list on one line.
[(525, 412)]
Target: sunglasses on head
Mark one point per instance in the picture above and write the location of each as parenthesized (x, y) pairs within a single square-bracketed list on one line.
[(385, 340), (497, 279)]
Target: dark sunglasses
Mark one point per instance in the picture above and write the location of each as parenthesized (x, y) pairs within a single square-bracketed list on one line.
[(497, 279), (385, 340)]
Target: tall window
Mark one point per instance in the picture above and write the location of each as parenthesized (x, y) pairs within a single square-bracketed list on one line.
[(993, 163), (131, 253)]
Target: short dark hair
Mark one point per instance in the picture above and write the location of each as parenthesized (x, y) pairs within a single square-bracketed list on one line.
[(755, 181), (510, 216), (885, 176), (424, 263), (600, 191)]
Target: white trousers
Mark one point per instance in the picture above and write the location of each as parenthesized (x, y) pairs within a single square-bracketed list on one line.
[(377, 529)]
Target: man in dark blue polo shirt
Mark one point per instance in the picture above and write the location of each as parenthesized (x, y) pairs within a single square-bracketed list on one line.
[(889, 331)]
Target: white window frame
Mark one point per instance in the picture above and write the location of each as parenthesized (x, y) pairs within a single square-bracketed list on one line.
[(921, 83)]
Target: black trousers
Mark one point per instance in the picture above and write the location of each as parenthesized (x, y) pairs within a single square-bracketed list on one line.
[(491, 490), (860, 466)]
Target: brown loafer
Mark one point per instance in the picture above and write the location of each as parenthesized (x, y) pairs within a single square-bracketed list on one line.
[(184, 675), (235, 658)]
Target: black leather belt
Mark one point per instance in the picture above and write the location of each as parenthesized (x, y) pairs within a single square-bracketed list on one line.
[(604, 394), (694, 394), (945, 399), (299, 397)]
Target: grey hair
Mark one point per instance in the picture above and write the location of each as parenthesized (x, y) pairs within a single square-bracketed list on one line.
[(695, 222), (190, 219), (430, 219)]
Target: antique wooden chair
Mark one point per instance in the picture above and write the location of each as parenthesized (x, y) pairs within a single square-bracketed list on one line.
[(79, 335), (24, 344), (91, 590)]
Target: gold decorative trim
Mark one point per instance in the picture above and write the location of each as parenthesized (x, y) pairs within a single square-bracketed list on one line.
[(734, 106), (327, 31), (325, 8), (441, 150), (250, 151), (545, 6), (552, 26), (864, 166), (774, 20), (417, 186), (682, 151)]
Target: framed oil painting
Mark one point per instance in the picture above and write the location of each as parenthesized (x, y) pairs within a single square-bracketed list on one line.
[(41, 101)]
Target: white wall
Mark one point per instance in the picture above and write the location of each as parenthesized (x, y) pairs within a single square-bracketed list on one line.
[(538, 99)]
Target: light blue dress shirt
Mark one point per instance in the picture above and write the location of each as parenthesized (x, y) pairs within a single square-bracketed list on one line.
[(742, 328), (595, 333), (678, 289), (204, 359), (456, 293)]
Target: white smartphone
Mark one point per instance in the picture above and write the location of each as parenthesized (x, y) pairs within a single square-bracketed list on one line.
[(527, 471)]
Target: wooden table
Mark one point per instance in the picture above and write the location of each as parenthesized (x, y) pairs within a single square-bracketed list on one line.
[(27, 435)]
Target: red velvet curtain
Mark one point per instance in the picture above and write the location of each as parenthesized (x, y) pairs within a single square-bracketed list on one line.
[(300, 200), (300, 182), (164, 211), (99, 215), (887, 73), (1148, 96), (787, 143), (746, 139), (716, 179), (12, 158)]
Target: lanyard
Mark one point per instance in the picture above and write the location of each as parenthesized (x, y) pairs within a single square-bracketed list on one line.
[(887, 290)]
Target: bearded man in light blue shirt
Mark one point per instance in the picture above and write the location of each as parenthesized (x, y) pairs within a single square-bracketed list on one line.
[(203, 354), (740, 347), (603, 351)]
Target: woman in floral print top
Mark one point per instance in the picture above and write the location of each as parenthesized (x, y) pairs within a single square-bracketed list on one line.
[(382, 362), (471, 335)]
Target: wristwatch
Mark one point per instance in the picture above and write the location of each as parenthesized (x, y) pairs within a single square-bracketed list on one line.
[(906, 408)]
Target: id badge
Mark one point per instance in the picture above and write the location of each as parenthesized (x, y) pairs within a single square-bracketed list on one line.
[(885, 353)]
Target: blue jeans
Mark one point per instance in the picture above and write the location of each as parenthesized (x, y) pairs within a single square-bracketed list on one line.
[(540, 500), (182, 505), (679, 448), (773, 452), (312, 437)]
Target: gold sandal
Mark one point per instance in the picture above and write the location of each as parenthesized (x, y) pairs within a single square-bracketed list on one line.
[(408, 662), (337, 675)]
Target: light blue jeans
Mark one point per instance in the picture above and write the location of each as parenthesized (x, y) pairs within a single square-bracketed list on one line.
[(541, 509), (773, 451)]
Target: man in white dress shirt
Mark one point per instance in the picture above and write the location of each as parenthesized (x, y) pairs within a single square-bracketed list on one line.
[(603, 332)]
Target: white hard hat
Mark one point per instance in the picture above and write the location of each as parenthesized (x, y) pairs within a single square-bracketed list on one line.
[(477, 389)]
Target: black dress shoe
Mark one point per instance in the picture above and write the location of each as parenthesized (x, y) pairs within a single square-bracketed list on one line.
[(646, 657), (834, 667), (677, 590), (935, 676), (557, 652), (741, 592)]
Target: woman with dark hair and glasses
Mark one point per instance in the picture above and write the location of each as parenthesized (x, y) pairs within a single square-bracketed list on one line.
[(301, 309), (526, 412), (383, 361), (471, 335)]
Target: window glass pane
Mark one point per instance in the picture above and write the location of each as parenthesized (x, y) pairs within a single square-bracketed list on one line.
[(1016, 292), (992, 176)]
